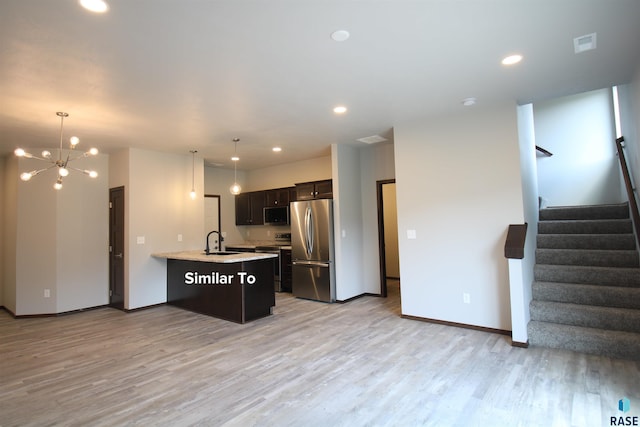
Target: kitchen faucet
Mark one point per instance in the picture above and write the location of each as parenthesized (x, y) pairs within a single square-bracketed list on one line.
[(220, 240)]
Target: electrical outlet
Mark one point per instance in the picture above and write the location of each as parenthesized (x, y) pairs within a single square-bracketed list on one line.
[(47, 293), (466, 298)]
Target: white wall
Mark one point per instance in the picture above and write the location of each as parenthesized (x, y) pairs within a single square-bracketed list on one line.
[(287, 175), (82, 241), (629, 100), (579, 131), (376, 164), (521, 293), (459, 188), (159, 209), (347, 221), (59, 240)]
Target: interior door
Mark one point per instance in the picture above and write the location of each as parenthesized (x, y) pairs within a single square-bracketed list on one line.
[(116, 247)]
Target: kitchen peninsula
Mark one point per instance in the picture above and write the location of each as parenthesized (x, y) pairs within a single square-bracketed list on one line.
[(231, 286)]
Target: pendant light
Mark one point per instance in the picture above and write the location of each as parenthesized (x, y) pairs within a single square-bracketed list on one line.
[(235, 189), (193, 167)]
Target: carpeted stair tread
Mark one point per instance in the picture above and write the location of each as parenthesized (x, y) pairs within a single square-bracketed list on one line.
[(611, 276), (598, 226), (586, 257), (586, 241), (613, 211), (578, 293), (616, 344), (590, 316)]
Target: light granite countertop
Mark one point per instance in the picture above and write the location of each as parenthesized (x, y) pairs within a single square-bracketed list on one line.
[(199, 255)]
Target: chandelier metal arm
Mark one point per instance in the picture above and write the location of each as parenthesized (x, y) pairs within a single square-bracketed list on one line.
[(84, 171), (36, 172)]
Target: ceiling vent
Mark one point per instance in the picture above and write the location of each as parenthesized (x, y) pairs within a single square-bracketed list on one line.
[(374, 139), (584, 43)]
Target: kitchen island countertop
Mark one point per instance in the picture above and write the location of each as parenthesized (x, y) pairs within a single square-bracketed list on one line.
[(199, 255)]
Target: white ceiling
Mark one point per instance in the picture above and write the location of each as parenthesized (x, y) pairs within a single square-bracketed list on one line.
[(177, 75)]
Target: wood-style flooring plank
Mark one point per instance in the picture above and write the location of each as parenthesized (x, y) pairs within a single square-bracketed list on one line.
[(309, 364)]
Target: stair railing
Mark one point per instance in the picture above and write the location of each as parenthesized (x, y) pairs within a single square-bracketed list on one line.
[(628, 183)]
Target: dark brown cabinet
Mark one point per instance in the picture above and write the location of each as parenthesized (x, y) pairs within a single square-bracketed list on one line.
[(249, 208), (286, 273), (277, 197), (314, 190)]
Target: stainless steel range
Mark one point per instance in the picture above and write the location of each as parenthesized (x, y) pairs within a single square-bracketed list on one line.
[(282, 239)]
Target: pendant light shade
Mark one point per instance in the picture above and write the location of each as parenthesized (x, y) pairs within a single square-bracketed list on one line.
[(235, 189)]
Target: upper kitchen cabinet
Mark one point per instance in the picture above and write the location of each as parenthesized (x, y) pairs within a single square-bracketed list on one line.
[(314, 190), (277, 197), (249, 208)]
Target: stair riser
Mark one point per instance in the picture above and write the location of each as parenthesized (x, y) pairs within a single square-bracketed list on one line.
[(586, 316), (604, 296), (602, 343), (585, 257), (587, 275), (618, 226), (586, 241), (620, 211)]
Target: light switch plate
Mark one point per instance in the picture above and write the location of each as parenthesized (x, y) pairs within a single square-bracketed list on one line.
[(411, 234), (179, 237), (141, 240)]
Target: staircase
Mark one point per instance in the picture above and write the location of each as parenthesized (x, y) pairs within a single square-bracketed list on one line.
[(586, 290)]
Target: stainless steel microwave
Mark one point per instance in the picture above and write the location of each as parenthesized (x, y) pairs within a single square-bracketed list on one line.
[(276, 215)]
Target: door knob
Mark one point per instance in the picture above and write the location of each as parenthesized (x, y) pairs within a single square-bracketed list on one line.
[(118, 256)]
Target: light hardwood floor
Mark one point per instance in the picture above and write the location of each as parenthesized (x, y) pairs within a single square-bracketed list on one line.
[(310, 364)]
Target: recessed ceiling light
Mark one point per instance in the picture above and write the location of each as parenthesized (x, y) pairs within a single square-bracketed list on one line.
[(98, 6), (340, 35), (340, 109), (512, 59), (235, 158), (468, 102), (276, 149)]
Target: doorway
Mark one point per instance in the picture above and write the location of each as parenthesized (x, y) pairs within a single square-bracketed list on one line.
[(388, 234), (116, 247)]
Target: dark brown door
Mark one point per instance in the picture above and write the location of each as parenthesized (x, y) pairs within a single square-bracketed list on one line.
[(116, 247)]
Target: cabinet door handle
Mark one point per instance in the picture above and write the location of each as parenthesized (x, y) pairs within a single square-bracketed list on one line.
[(118, 256)]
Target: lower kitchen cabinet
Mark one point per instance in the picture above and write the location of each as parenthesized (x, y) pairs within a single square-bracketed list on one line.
[(287, 269)]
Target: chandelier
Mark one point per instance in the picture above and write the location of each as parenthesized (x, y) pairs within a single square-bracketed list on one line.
[(62, 160)]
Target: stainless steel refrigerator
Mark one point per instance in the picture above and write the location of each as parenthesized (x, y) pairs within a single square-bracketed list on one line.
[(312, 250)]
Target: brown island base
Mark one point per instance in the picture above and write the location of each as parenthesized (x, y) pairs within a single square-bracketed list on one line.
[(236, 287)]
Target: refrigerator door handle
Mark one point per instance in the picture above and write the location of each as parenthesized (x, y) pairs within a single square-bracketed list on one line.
[(312, 263), (308, 225)]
